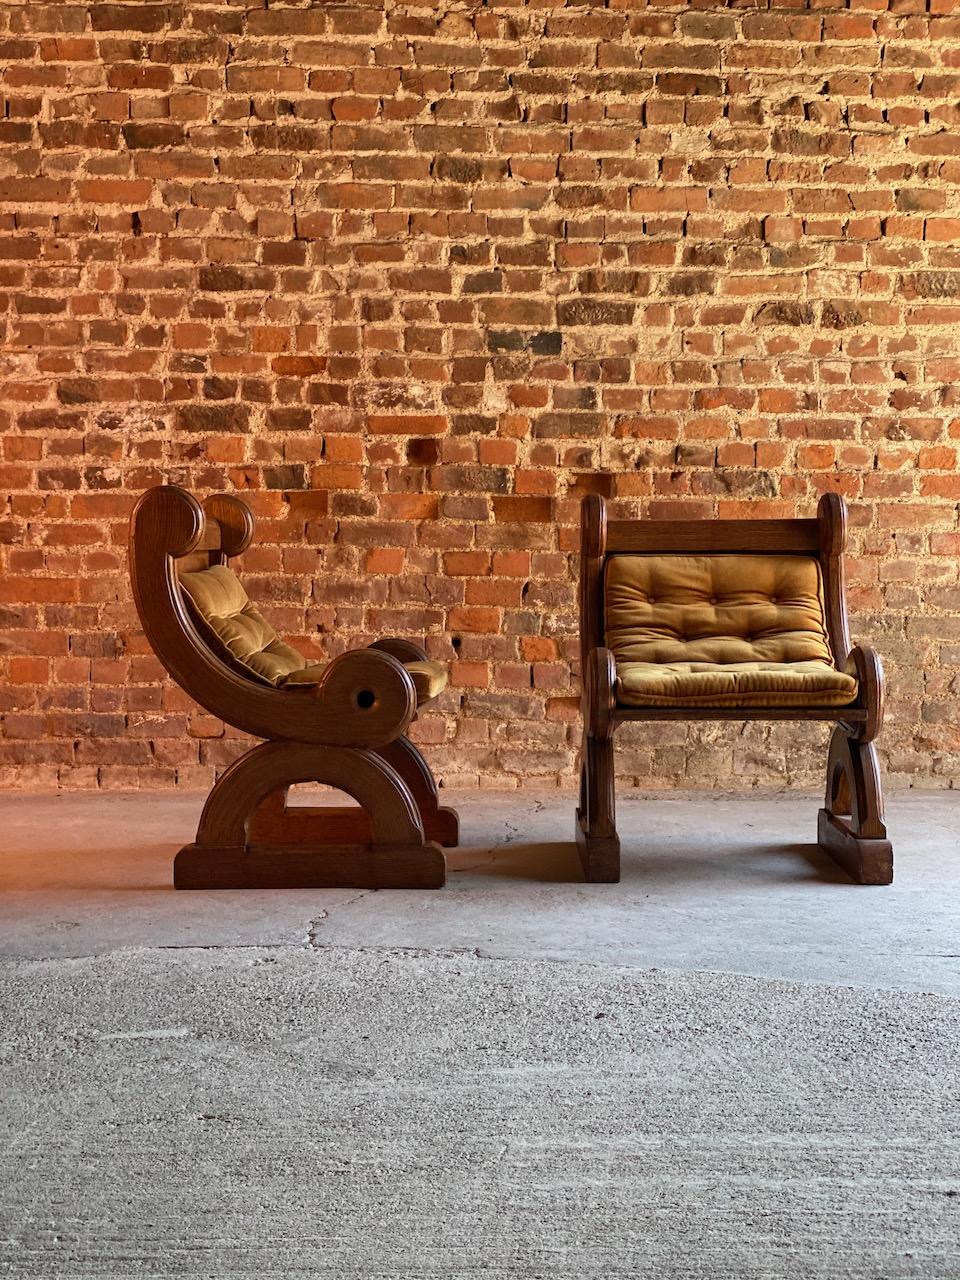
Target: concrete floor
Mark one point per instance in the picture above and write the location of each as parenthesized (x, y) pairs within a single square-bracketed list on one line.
[(724, 884), (519, 1075)]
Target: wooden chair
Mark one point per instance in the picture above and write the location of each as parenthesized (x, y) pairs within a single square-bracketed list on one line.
[(343, 723), (727, 620)]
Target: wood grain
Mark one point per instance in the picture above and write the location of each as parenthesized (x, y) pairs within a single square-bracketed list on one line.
[(855, 837), (347, 731), (713, 537), (168, 523)]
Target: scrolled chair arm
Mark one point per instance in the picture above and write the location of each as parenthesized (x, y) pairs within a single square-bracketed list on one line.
[(863, 663), (599, 692), (403, 650), (371, 689)]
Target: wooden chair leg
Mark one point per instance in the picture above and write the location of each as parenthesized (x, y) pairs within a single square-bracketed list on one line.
[(275, 820), (597, 841), (249, 839), (850, 827), (439, 822)]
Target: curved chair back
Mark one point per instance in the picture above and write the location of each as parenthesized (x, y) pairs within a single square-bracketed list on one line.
[(822, 539), (170, 532)]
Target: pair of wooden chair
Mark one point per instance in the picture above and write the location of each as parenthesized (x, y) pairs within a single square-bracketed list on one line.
[(679, 620)]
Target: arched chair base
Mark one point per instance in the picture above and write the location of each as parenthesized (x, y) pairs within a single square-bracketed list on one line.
[(439, 822), (850, 826), (249, 839), (331, 824)]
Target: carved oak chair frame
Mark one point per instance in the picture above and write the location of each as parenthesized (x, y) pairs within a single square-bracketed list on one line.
[(851, 827), (348, 730)]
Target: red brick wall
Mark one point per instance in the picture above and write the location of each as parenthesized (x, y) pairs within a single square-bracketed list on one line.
[(414, 277)]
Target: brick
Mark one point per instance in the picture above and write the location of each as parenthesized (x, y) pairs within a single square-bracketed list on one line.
[(945, 229), (511, 509), (388, 560), (409, 506), (235, 279), (415, 282), (143, 18), (468, 563), (154, 134), (407, 424), (113, 191), (932, 284), (213, 417), (34, 191), (481, 620), (593, 311)]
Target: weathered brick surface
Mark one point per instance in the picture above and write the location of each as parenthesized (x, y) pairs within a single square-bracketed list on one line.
[(416, 277)]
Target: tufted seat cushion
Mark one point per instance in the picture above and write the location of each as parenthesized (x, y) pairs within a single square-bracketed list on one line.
[(222, 606), (429, 677), (721, 631), (737, 684)]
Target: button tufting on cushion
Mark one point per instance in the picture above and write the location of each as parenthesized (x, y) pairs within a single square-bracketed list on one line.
[(738, 684), (222, 606), (218, 597), (738, 630)]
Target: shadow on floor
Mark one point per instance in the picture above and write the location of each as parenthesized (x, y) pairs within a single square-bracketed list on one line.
[(558, 863), (546, 863), (760, 863), (149, 868)]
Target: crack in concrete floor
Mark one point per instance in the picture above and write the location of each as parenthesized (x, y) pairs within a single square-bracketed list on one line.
[(310, 940), (86, 875)]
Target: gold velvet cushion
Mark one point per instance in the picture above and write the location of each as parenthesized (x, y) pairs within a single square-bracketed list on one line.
[(721, 631), (429, 677), (218, 597), (222, 605)]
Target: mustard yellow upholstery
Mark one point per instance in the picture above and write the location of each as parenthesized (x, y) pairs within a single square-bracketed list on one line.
[(429, 677), (218, 597), (721, 631), (222, 605), (737, 684)]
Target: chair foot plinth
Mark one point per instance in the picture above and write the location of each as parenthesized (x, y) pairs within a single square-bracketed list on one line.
[(599, 855), (301, 867), (868, 861), (443, 826), (850, 827)]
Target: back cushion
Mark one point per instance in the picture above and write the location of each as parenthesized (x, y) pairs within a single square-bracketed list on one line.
[(739, 608), (219, 600)]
